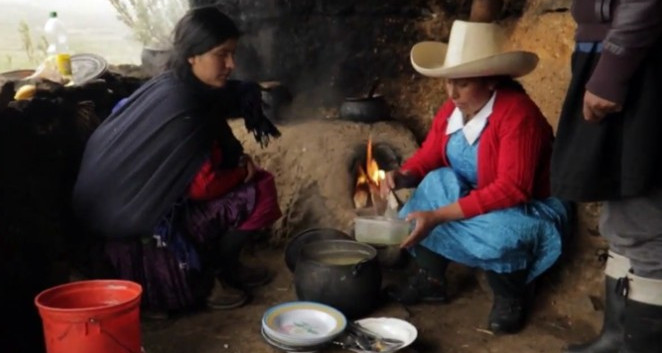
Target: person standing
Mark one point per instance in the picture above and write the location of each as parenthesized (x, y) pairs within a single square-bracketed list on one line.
[(609, 148)]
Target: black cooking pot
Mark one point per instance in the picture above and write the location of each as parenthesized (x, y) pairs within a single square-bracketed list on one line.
[(344, 274), (275, 97), (367, 109), (294, 245)]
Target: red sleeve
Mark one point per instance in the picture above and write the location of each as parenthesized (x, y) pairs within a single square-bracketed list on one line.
[(430, 155), (210, 183), (523, 134)]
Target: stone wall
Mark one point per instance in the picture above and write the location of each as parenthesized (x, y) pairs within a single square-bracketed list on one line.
[(326, 50), (323, 50)]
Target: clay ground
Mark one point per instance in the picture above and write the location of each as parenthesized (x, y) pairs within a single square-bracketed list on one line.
[(567, 306), (562, 312), (566, 309)]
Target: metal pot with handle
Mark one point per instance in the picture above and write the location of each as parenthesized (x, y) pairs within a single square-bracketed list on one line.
[(344, 274), (368, 109)]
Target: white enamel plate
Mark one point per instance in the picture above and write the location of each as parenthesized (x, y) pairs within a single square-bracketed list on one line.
[(303, 322), (388, 327)]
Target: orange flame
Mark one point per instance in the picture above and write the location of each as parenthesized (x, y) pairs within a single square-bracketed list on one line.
[(368, 179)]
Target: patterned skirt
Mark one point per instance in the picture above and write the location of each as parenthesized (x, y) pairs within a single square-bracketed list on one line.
[(170, 264)]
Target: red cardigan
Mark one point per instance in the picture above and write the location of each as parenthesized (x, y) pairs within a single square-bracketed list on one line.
[(513, 154), (211, 182)]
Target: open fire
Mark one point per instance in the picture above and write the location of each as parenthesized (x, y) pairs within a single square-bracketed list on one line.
[(368, 180)]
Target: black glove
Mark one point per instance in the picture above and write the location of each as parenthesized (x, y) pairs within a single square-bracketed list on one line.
[(250, 108)]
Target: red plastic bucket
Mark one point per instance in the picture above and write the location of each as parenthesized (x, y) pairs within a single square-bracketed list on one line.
[(100, 316)]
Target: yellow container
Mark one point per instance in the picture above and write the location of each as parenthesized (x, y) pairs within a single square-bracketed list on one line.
[(63, 63)]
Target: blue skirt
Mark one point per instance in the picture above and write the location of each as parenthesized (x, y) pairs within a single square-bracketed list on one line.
[(522, 237)]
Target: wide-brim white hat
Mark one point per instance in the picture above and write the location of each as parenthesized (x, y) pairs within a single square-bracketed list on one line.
[(474, 50)]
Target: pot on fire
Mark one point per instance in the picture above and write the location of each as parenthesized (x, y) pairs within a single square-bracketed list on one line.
[(344, 274), (365, 109), (275, 97), (368, 109)]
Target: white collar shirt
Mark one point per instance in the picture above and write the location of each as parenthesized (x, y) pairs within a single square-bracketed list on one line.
[(473, 127)]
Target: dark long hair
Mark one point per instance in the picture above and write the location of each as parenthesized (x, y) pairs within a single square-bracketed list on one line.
[(507, 82), (198, 31)]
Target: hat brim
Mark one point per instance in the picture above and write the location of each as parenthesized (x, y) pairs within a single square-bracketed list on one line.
[(512, 63)]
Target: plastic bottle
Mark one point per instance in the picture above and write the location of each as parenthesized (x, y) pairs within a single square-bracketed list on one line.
[(58, 46)]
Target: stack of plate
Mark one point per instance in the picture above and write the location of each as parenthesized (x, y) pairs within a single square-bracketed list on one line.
[(301, 326)]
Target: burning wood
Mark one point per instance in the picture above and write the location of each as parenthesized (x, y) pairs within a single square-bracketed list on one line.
[(368, 180), (361, 189)]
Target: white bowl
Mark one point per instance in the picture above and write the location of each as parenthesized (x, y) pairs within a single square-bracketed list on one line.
[(388, 327), (303, 323)]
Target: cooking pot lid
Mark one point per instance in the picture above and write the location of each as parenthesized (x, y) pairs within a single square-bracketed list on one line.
[(16, 75), (87, 67)]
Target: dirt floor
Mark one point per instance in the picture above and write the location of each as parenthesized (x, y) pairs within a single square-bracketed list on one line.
[(563, 311), (567, 307), (312, 167)]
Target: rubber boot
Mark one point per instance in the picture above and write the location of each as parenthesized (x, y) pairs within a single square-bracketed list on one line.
[(509, 307), (610, 339), (224, 297), (643, 316), (232, 271), (428, 284)]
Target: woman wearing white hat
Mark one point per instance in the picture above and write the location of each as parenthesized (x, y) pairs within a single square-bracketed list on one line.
[(482, 176)]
